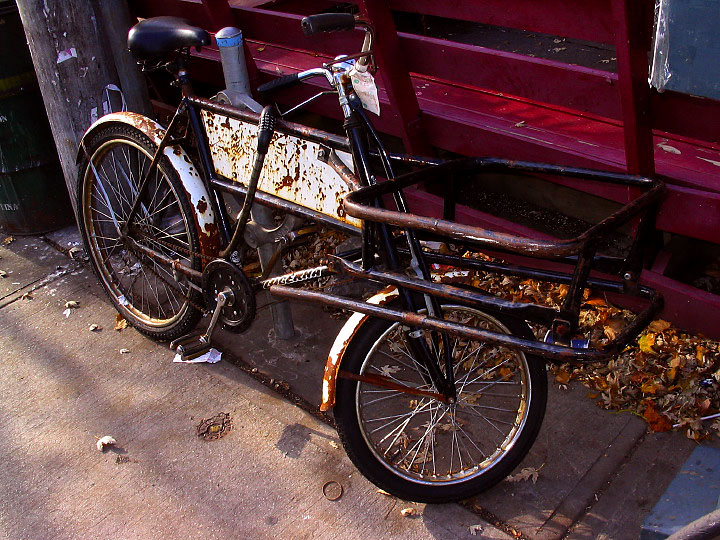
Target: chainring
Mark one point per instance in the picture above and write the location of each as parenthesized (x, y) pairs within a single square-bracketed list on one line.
[(219, 275)]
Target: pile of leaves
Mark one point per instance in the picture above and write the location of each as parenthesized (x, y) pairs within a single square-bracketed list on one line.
[(668, 377)]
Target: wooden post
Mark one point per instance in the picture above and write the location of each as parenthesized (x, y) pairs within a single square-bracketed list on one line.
[(633, 29), (73, 64), (116, 22)]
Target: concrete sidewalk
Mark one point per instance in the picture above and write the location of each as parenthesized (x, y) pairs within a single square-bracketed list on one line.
[(64, 385)]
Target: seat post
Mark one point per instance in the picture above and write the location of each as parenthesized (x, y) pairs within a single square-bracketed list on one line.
[(182, 78)]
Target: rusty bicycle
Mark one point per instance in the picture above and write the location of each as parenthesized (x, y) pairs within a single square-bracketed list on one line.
[(438, 389)]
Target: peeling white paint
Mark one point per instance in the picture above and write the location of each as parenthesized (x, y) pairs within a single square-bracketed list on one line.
[(716, 163), (668, 148)]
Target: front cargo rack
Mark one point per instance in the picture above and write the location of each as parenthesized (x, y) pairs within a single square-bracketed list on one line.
[(581, 251)]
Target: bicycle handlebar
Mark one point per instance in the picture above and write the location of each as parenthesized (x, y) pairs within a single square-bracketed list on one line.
[(327, 22), (287, 80), (293, 78)]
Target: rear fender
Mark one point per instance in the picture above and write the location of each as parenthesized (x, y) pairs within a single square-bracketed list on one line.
[(205, 219)]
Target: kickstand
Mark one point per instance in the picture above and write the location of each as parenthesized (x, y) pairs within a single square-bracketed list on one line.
[(196, 344)]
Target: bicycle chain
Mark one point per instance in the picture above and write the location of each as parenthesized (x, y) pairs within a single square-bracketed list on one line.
[(189, 252)]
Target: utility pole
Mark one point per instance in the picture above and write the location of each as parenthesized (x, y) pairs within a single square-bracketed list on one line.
[(74, 64)]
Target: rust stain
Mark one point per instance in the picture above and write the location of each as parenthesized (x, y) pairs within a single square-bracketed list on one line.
[(209, 240), (202, 205)]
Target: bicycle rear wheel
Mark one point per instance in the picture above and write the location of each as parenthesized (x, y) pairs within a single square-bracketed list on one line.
[(142, 289), (421, 449)]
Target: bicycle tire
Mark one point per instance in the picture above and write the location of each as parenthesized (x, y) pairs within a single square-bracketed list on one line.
[(518, 400), (143, 291)]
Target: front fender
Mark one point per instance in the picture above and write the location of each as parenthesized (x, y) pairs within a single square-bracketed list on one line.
[(192, 182), (353, 325)]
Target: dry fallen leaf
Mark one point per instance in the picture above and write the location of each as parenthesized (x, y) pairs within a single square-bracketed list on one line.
[(8, 240), (408, 512), (67, 312), (383, 492), (3, 274), (528, 473), (94, 328), (334, 444), (71, 304), (646, 343), (657, 421), (107, 440), (659, 325), (120, 322), (562, 376), (124, 351)]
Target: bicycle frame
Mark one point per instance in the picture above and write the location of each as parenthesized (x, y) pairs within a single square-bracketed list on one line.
[(353, 203)]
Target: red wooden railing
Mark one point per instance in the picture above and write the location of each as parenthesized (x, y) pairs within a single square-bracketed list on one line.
[(470, 100)]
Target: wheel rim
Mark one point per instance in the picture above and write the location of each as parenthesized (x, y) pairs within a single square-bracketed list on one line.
[(143, 287), (424, 440)]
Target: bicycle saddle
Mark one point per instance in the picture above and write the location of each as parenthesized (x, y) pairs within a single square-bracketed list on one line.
[(154, 38)]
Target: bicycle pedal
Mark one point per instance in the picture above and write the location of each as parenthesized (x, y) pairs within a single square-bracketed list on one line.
[(189, 351), (184, 340)]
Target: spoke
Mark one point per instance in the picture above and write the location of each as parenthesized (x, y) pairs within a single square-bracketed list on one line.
[(416, 366), (483, 454), (488, 420), (110, 208), (397, 418), (490, 371)]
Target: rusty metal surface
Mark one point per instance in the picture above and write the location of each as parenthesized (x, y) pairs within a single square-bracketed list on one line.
[(291, 172), (203, 215), (267, 199), (282, 126), (359, 204), (528, 311), (382, 381), (343, 339), (548, 351), (162, 258)]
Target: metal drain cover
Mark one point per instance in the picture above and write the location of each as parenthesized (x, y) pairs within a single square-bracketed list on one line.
[(215, 427)]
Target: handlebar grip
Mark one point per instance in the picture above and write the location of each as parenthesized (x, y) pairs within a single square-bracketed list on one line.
[(281, 82), (327, 22)]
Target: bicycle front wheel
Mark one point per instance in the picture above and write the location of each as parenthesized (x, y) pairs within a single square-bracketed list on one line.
[(421, 449), (142, 289)]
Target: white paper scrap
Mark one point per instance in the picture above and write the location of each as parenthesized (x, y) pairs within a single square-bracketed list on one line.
[(67, 54), (364, 85), (213, 356)]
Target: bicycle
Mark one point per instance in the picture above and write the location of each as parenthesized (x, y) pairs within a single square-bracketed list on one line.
[(438, 390)]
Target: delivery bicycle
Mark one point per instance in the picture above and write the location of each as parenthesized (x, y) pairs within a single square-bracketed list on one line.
[(438, 389)]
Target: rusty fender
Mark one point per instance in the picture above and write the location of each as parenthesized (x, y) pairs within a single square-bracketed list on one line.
[(343, 339), (205, 221)]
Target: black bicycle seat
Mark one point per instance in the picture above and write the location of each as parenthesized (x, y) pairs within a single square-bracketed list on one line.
[(155, 38)]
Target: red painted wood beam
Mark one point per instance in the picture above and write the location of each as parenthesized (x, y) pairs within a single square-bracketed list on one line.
[(585, 90), (395, 75), (219, 13), (632, 44), (588, 19)]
